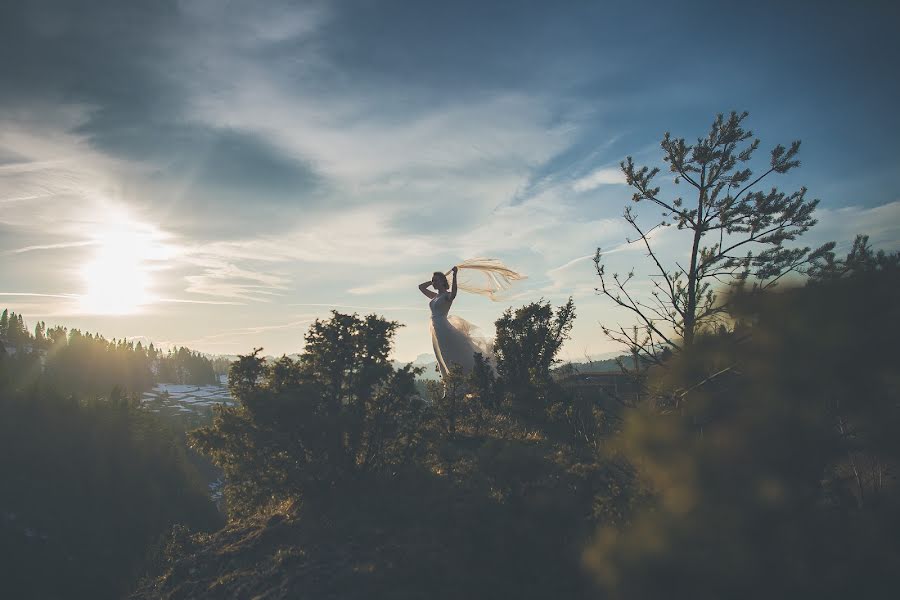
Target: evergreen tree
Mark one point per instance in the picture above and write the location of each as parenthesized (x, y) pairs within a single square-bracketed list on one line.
[(861, 260), (305, 427), (737, 234), (12, 330), (39, 337), (526, 346)]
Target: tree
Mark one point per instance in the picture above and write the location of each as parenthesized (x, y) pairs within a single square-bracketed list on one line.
[(861, 260), (527, 343), (89, 485), (308, 427), (529, 339), (39, 337), (738, 234)]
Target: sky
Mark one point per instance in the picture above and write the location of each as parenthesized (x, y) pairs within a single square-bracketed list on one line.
[(219, 174)]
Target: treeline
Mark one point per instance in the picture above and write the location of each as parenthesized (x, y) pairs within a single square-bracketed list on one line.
[(185, 366), (762, 462), (89, 481), (86, 363)]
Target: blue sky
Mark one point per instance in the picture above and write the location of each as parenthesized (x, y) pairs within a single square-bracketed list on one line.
[(219, 174)]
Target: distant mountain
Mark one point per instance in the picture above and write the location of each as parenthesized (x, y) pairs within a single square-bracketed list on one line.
[(427, 361), (231, 357)]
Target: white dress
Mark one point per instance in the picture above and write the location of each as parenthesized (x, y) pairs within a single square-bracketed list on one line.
[(452, 337)]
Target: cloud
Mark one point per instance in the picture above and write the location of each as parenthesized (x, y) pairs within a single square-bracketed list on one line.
[(842, 224), (571, 263), (604, 176), (391, 284), (58, 246), (261, 328), (38, 294), (211, 302), (225, 279), (74, 79), (358, 307)]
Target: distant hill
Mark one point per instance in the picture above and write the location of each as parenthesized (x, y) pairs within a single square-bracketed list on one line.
[(607, 365), (427, 361)]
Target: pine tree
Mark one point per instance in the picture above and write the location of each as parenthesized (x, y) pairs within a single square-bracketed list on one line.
[(739, 235), (12, 329)]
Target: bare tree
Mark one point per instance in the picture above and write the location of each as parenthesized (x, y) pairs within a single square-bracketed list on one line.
[(738, 235)]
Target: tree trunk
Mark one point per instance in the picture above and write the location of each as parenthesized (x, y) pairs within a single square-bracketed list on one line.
[(691, 313)]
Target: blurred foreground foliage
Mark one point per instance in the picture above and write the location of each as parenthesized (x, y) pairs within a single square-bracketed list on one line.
[(88, 488), (772, 450)]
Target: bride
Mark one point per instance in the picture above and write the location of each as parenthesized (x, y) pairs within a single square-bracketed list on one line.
[(451, 336)]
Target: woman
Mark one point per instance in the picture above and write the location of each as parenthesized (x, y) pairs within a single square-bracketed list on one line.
[(450, 336)]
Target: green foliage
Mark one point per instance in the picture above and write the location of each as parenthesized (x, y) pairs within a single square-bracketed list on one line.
[(862, 260), (775, 474), (334, 460), (185, 366), (526, 346), (303, 427), (90, 480), (529, 338), (12, 329), (87, 488), (87, 364), (221, 364)]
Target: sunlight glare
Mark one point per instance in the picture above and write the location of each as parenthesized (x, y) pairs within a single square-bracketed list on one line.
[(117, 279)]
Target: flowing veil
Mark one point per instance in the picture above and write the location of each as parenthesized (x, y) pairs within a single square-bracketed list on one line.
[(486, 277)]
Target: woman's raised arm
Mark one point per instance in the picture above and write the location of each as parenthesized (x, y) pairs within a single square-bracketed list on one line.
[(423, 287), (453, 286)]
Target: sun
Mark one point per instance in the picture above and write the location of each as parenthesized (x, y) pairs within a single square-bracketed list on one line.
[(117, 278)]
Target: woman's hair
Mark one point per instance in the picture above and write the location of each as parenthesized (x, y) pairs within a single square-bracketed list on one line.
[(441, 276)]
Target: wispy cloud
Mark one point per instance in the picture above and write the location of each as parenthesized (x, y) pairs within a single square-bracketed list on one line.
[(210, 302), (400, 283), (604, 176), (376, 309), (841, 224), (223, 337), (227, 280), (58, 246), (571, 263), (40, 295)]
